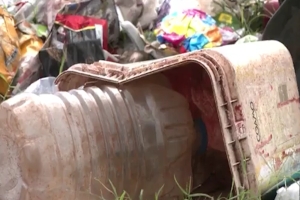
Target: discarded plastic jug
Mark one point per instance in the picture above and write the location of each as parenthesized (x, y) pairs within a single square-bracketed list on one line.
[(69, 144)]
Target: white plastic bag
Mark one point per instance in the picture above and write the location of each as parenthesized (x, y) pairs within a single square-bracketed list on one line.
[(43, 86), (290, 193)]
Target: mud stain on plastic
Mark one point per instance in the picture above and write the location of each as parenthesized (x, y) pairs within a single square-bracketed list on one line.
[(238, 113), (289, 153), (278, 163), (263, 143), (285, 154)]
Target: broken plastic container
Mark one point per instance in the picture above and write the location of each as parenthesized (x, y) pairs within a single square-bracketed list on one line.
[(69, 145), (247, 97)]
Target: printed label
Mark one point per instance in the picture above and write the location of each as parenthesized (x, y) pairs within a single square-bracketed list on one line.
[(10, 59)]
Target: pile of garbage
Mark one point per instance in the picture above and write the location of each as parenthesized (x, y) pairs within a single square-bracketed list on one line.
[(43, 38)]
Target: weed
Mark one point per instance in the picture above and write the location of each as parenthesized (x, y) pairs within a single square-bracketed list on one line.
[(249, 13), (187, 193), (10, 85)]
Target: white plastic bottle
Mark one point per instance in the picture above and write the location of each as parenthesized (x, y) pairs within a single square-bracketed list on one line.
[(68, 145)]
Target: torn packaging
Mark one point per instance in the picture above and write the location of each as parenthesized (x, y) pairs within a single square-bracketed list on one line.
[(82, 38), (138, 11), (77, 28), (104, 9), (9, 50)]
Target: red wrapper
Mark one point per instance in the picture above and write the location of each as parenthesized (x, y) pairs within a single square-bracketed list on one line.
[(78, 28)]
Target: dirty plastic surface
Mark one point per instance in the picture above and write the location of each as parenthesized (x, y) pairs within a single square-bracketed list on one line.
[(245, 94), (64, 146)]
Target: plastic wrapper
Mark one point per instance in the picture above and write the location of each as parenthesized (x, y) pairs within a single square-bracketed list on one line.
[(44, 12), (229, 26), (75, 39), (84, 38), (76, 28), (28, 73), (9, 51), (30, 44), (84, 52), (99, 9), (192, 28), (38, 11), (229, 36)]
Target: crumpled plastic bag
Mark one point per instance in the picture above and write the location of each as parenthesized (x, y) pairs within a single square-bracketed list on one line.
[(192, 28), (246, 39), (289, 193), (43, 86), (133, 11), (229, 36)]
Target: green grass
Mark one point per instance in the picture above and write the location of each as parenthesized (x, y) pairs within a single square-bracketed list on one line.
[(6, 96), (187, 193), (249, 13)]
